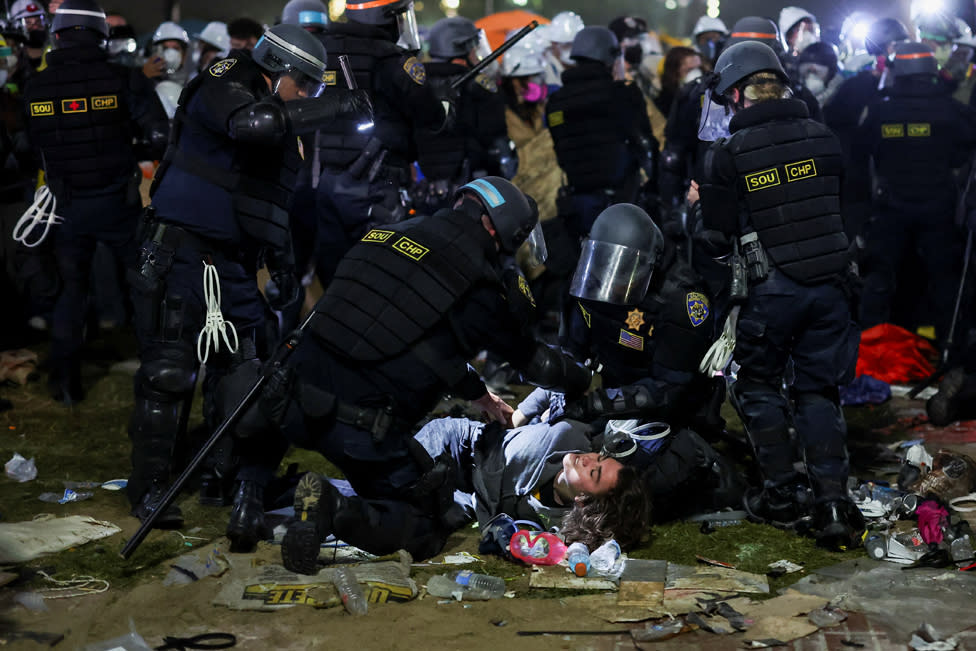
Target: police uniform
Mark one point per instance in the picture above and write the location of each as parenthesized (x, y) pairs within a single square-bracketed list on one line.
[(218, 201), (776, 181), (917, 135), (597, 125), (363, 170), (475, 146), (83, 115)]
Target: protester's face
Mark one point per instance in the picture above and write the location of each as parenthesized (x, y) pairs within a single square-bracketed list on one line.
[(688, 64), (587, 473)]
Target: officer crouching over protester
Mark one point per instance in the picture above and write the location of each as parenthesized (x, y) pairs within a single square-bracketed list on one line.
[(221, 198), (409, 305), (772, 188)]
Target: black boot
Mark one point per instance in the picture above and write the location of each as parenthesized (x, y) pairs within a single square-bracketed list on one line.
[(64, 383), (944, 405), (838, 525), (316, 502), (171, 518), (247, 525), (786, 506)]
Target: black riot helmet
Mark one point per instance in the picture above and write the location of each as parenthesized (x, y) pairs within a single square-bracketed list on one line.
[(756, 28), (883, 33), (913, 59), (618, 257), (290, 50), (514, 214), (80, 14), (309, 14), (597, 43), (743, 59), (452, 38)]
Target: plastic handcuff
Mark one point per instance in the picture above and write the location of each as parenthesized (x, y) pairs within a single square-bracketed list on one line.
[(203, 641)]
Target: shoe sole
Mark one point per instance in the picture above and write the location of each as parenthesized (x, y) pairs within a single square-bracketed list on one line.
[(300, 546)]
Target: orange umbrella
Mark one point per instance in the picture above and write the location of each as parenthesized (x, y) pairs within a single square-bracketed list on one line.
[(496, 26)]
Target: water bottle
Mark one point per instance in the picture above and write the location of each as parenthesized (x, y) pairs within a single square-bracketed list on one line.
[(605, 556), (471, 586), (578, 558), (351, 593)]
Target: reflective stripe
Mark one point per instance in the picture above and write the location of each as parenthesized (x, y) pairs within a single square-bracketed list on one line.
[(752, 35), (316, 17), (80, 12), (300, 53), (915, 55), (487, 192), (370, 5)]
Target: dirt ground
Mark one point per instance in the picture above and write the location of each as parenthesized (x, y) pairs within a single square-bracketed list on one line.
[(89, 442)]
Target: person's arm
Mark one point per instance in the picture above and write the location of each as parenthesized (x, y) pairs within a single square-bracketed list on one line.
[(717, 191), (147, 115), (405, 80)]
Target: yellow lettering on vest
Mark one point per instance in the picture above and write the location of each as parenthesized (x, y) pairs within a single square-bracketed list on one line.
[(892, 130), (104, 102), (38, 109), (762, 180), (377, 235), (411, 249), (919, 130), (803, 169)]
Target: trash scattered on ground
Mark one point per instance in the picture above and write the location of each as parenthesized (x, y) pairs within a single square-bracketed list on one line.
[(783, 567), (556, 576), (25, 541), (659, 631), (197, 565), (466, 585), (76, 586), (47, 639), (129, 642), (775, 620), (537, 547), (715, 625), (115, 484), (63, 498), (20, 469), (709, 561), (31, 601), (461, 558), (827, 617), (685, 585), (925, 638), (642, 584)]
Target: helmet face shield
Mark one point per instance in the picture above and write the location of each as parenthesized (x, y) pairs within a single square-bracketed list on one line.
[(482, 49), (715, 118), (406, 22), (536, 245), (307, 86), (611, 273)]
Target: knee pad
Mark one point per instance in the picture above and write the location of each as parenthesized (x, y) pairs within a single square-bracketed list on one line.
[(173, 374)]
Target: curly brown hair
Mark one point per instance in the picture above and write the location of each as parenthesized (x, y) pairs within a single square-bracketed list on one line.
[(622, 514)]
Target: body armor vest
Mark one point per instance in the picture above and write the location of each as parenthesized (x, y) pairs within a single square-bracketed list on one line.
[(261, 179), (789, 178), (588, 118), (399, 282), (625, 337), (79, 119), (340, 143)]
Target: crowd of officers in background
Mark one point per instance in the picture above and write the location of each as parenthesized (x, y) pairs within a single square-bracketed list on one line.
[(579, 117)]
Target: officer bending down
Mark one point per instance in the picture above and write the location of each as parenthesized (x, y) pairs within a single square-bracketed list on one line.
[(410, 304), (773, 187), (221, 199)]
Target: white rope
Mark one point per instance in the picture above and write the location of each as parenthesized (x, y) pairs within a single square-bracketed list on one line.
[(956, 501), (76, 586), (215, 328), (40, 212), (720, 353)]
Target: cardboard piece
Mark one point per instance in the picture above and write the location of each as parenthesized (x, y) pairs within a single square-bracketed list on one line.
[(24, 541), (782, 618), (557, 576), (687, 584), (642, 584)]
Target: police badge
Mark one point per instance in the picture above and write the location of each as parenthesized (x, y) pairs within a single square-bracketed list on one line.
[(697, 308)]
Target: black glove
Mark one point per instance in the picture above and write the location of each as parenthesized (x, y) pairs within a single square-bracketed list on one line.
[(282, 290), (357, 102)]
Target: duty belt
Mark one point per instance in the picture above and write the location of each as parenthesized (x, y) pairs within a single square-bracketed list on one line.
[(376, 421), (173, 237)]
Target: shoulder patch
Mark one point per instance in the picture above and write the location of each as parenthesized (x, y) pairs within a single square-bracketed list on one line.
[(415, 70), (220, 68), (556, 118), (698, 310), (38, 109), (523, 286), (486, 82)]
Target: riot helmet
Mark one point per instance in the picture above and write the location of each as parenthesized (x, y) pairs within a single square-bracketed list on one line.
[(618, 257), (882, 33), (455, 38), (80, 14), (596, 43), (292, 51), (212, 43), (561, 33), (913, 59), (312, 15), (29, 21), (633, 443), (817, 65), (743, 59), (798, 27), (514, 214), (756, 28), (524, 59), (388, 12)]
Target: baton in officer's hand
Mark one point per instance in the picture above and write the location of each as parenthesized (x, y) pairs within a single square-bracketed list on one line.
[(351, 83), (502, 49)]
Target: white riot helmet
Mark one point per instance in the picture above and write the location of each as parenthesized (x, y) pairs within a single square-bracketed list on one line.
[(564, 27), (24, 11), (215, 35), (170, 31), (524, 59)]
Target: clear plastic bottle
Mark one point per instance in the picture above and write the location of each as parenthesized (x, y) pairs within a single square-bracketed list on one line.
[(578, 557), (471, 586), (351, 593), (604, 557)]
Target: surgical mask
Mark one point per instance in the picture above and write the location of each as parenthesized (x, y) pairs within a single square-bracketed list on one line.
[(173, 59), (535, 92), (691, 75), (814, 83)]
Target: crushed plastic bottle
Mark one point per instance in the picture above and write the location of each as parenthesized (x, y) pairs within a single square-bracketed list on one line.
[(466, 585), (68, 496), (605, 556), (351, 593), (578, 558), (20, 469)]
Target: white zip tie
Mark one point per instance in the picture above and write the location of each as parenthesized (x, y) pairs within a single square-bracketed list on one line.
[(956, 501), (40, 212), (76, 586), (720, 353), (215, 327)]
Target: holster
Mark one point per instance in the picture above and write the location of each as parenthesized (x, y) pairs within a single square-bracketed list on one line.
[(756, 263), (739, 286)]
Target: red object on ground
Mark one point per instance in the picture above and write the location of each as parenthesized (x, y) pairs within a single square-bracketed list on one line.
[(895, 355)]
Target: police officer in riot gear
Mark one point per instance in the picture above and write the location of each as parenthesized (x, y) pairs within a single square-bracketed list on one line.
[(365, 168), (772, 188), (477, 145), (916, 136), (409, 305), (83, 115), (311, 15), (221, 199), (600, 132)]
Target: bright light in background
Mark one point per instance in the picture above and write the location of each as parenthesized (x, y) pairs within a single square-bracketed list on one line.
[(451, 4), (521, 3), (860, 31), (923, 7), (670, 4), (712, 8)]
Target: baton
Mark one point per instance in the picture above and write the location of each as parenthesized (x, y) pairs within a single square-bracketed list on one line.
[(285, 349), (347, 71), (504, 47)]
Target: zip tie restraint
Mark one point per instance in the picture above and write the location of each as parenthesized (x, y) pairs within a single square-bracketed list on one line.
[(40, 212), (215, 327), (720, 353), (76, 586)]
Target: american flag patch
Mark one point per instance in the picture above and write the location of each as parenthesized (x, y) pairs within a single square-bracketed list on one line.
[(631, 341)]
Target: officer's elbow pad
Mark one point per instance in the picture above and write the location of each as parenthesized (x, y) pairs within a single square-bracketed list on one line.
[(262, 123), (672, 161), (309, 114)]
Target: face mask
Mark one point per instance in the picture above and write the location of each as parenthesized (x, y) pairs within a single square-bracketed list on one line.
[(36, 38), (708, 49), (535, 92), (691, 75), (814, 84), (633, 54), (173, 59)]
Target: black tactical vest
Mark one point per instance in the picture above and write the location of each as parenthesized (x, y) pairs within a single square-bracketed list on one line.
[(588, 122), (261, 179), (79, 119), (789, 170), (399, 282), (340, 142), (625, 337)]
